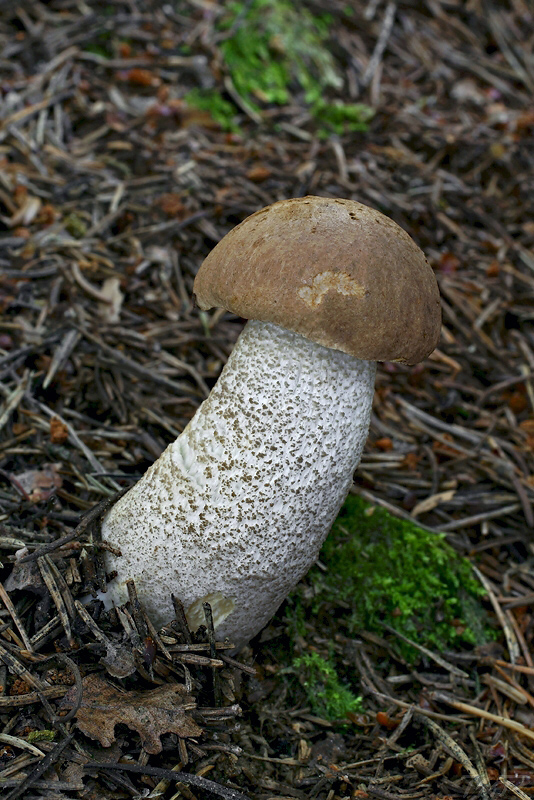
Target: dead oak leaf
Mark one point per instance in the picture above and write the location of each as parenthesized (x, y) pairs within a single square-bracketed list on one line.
[(151, 713)]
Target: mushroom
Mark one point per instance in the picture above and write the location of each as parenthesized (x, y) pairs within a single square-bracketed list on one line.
[(234, 512)]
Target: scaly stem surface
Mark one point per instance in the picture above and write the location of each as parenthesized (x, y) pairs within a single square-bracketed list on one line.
[(236, 509)]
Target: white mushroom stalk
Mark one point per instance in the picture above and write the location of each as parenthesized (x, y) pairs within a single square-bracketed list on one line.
[(236, 509)]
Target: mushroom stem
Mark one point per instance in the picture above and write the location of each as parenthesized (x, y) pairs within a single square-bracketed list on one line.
[(236, 509)]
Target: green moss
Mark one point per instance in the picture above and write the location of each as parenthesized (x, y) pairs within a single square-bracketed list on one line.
[(75, 226), (328, 697), (382, 570), (102, 42), (98, 50), (342, 117), (276, 51), (41, 736), (220, 109), (390, 571), (273, 43)]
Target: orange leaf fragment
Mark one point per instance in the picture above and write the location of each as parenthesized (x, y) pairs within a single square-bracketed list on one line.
[(171, 204), (141, 77), (410, 460), (47, 215), (258, 173), (58, 431), (385, 444), (448, 262), (386, 721), (517, 399), (525, 121)]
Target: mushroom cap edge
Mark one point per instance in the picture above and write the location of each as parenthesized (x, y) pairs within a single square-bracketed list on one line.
[(333, 270)]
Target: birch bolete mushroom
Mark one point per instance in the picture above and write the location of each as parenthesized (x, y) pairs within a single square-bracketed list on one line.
[(236, 509)]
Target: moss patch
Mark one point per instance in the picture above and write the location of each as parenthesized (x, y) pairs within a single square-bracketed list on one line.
[(341, 117), (390, 571), (328, 697), (275, 51), (222, 110), (274, 44), (377, 570)]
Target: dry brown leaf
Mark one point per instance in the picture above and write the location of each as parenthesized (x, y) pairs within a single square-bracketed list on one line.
[(40, 484), (150, 713)]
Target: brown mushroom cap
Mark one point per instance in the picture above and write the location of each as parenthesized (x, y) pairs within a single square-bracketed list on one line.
[(335, 271)]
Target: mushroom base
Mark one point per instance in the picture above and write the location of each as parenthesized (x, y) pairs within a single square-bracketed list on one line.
[(240, 504)]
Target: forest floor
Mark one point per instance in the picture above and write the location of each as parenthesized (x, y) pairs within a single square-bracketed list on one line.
[(115, 182)]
